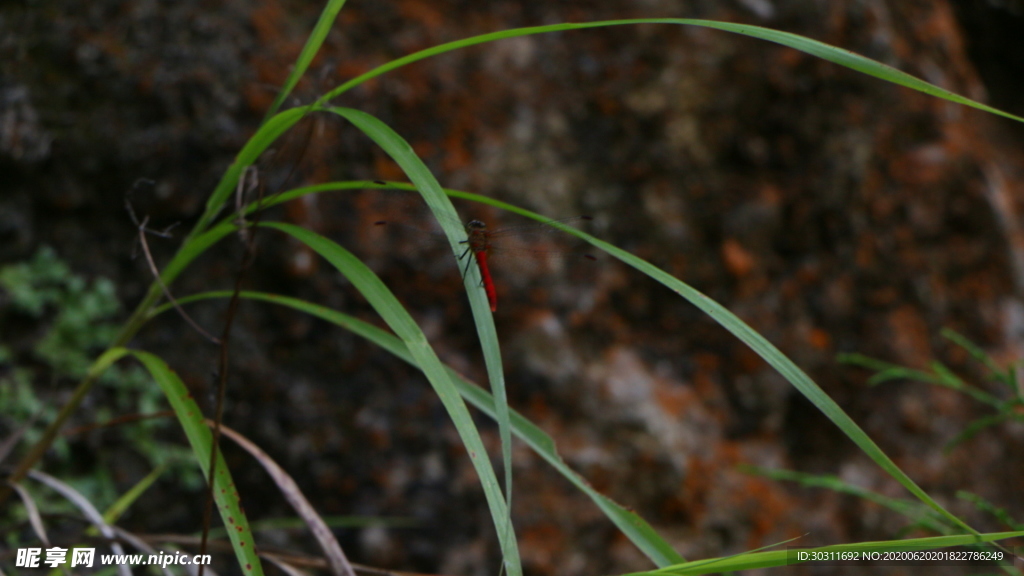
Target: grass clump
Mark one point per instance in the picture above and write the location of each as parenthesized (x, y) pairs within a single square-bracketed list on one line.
[(80, 326)]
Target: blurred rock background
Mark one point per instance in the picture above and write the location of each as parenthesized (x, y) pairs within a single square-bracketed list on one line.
[(833, 212)]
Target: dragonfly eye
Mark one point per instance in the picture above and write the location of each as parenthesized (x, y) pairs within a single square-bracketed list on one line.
[(476, 225)]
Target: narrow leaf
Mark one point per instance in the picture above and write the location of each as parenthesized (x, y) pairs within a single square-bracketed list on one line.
[(440, 204), (328, 543), (32, 511), (777, 558), (87, 509), (225, 493), (122, 504), (309, 50), (631, 524), (759, 344), (399, 320), (813, 47)]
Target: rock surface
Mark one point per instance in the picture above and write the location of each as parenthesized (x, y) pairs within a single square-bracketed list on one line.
[(831, 211)]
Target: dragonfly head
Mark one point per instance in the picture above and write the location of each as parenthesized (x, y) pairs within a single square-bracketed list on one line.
[(475, 226)]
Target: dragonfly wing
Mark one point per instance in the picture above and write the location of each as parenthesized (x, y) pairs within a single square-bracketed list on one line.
[(526, 259), (541, 230)]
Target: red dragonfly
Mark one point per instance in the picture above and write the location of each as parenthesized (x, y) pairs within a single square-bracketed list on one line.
[(506, 244), (482, 242)]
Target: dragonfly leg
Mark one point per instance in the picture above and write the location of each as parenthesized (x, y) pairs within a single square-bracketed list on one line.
[(465, 271)]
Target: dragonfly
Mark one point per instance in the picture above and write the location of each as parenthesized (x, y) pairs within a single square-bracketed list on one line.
[(510, 246)]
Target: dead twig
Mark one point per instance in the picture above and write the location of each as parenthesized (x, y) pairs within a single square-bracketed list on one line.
[(125, 419), (165, 233), (249, 256)]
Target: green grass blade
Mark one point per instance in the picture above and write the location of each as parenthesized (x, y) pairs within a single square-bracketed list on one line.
[(313, 43), (268, 133), (914, 511), (190, 249), (886, 371), (983, 505), (122, 504), (193, 249), (399, 320), (632, 525), (777, 558), (1006, 376), (902, 373), (973, 349), (224, 492), (951, 380), (939, 376), (758, 343), (441, 205), (977, 426), (765, 349), (337, 562), (813, 47)]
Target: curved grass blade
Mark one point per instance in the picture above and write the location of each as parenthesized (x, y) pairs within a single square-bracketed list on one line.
[(974, 350), (983, 505), (197, 240), (629, 523), (292, 194), (977, 426), (35, 519), (395, 315), (122, 504), (336, 558), (939, 376), (436, 200), (284, 120), (268, 133), (88, 510), (441, 206), (813, 47), (225, 493), (777, 558), (280, 122), (741, 330), (759, 344), (915, 511), (886, 371), (949, 379), (309, 50)]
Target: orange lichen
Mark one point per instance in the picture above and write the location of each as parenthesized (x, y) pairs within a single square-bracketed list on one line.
[(738, 261), (819, 339)]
